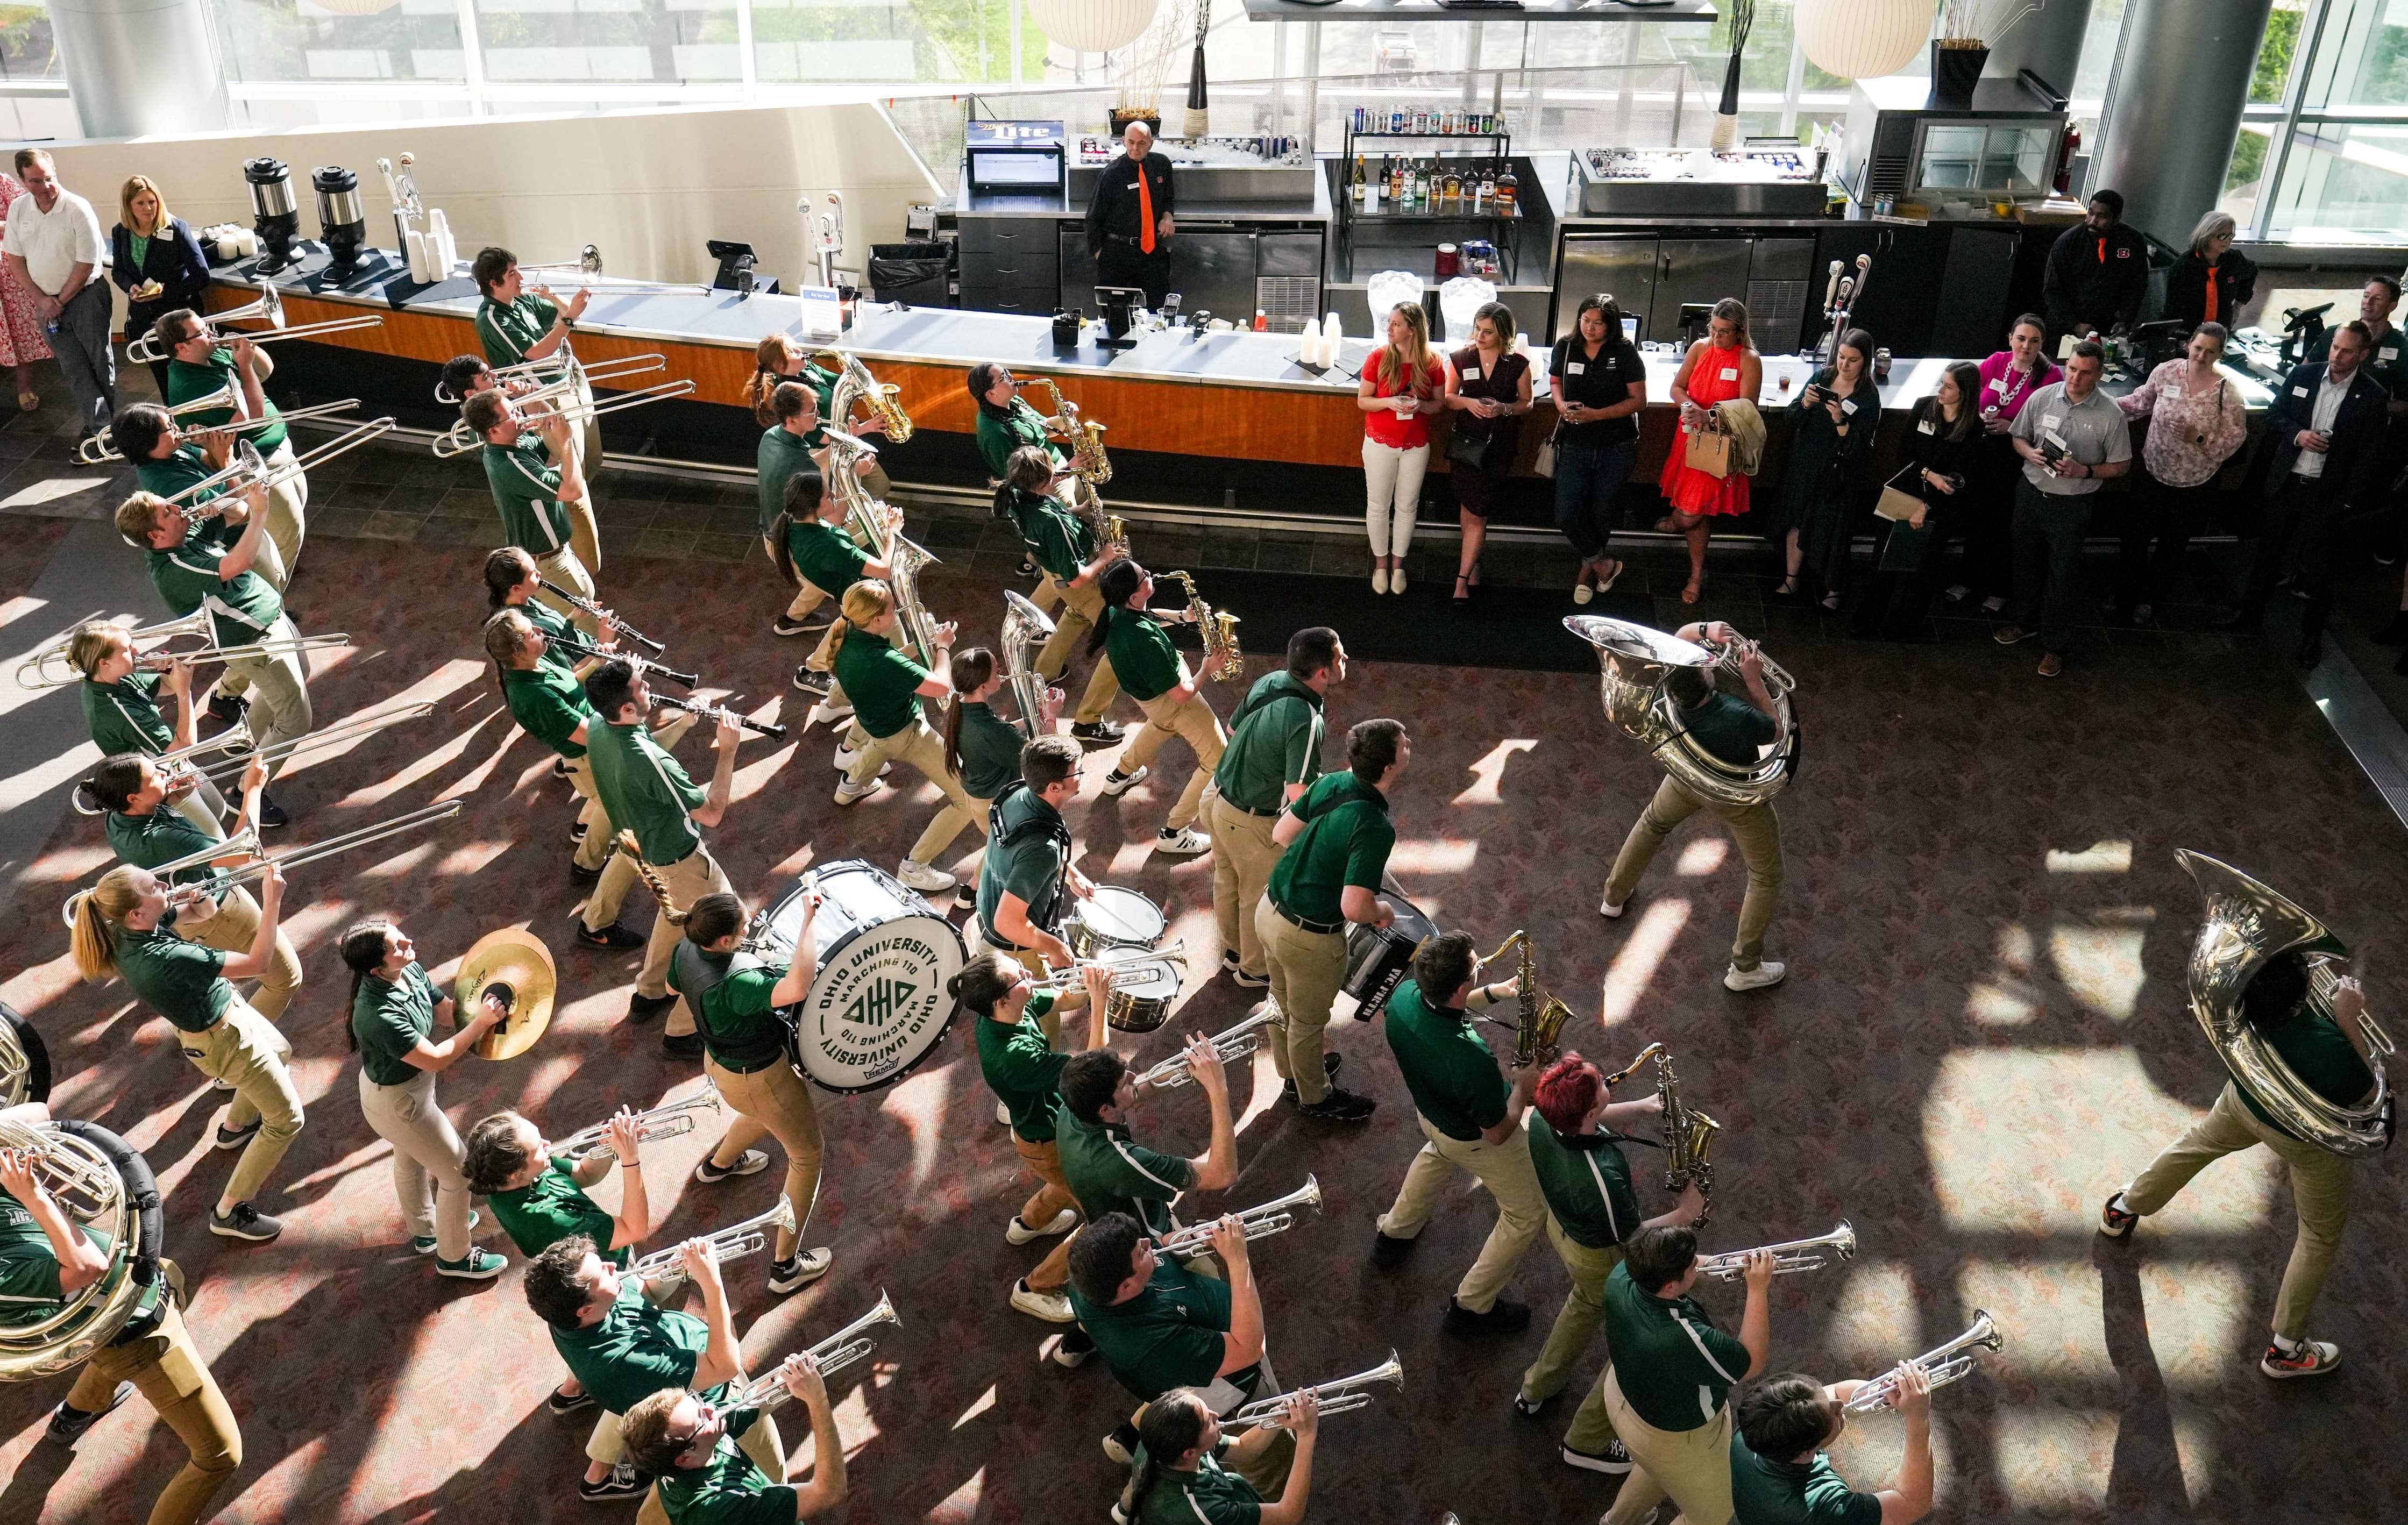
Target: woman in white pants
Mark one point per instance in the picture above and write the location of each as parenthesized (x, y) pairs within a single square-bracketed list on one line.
[(1403, 384)]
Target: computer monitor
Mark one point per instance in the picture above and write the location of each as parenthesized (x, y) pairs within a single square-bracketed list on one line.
[(735, 262)]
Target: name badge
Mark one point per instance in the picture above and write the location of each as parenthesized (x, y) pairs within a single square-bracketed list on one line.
[(1926, 428), (1471, 373), (1576, 368), (1731, 373), (1847, 407), (2051, 420), (1998, 385), (2389, 351), (2298, 391)]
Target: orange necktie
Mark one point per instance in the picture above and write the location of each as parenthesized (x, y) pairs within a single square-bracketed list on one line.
[(1144, 211)]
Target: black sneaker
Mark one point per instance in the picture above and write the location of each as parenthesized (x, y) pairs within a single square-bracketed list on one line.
[(1505, 1317), (783, 626), (623, 1482), (682, 1045), (1614, 1459), (1388, 1251), (271, 814), (67, 1425), (577, 830), (560, 771), (226, 707), (245, 1222), (583, 875), (1028, 567), (234, 1138), (613, 935), (1102, 732), (568, 1403), (1329, 1063), (1529, 1407), (1069, 1348), (1338, 1105), (1121, 1445), (644, 1008)]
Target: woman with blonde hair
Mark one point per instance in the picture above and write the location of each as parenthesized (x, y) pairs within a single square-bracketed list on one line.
[(886, 687), (1721, 367), (1403, 384), (120, 705), (157, 263), (125, 926)]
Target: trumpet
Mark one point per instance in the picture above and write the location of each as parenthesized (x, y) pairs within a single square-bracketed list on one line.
[(1128, 966), (1219, 629), (556, 377), (1789, 1257), (267, 308), (735, 1242), (1234, 1043), (670, 1119), (720, 714), (1946, 1364), (237, 737), (589, 263), (101, 449), (461, 440), (1259, 1222), (839, 1350), (1343, 1396), (586, 605), (248, 842), (642, 666)]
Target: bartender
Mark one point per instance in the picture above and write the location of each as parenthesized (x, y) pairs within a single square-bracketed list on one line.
[(1129, 224), (2098, 272)]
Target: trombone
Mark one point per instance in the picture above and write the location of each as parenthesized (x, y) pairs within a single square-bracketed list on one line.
[(237, 736), (41, 671), (735, 1242), (670, 1119), (589, 263), (247, 842), (249, 469), (267, 308), (1236, 1043), (460, 439), (1343, 1396), (1259, 1222), (839, 1350), (101, 449), (555, 375), (1946, 1364), (1789, 1257)]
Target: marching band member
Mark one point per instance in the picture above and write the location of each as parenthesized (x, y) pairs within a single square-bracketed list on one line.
[(394, 1008), (515, 325), (791, 444), (885, 687), (1471, 1120), (816, 555), (1026, 869), (1274, 752), (465, 376), (778, 359), (1006, 423), (120, 705), (706, 1478), (200, 366), (1732, 728), (981, 747), (1334, 842), (1667, 1390), (1181, 1480), (125, 927), (1157, 676), (735, 996), (146, 833), (46, 1258), (1021, 1065), (1108, 1170), (1591, 1212), (1063, 545), (1778, 1474), (645, 790), (2326, 1049), (168, 460), (536, 496)]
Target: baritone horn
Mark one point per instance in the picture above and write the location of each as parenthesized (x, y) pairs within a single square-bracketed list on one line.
[(1026, 628), (1950, 1362), (99, 1182), (1342, 1396), (1789, 1257)]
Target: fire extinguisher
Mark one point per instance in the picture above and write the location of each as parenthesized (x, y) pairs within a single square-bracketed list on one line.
[(2064, 159)]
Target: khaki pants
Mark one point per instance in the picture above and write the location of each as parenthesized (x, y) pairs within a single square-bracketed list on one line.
[(1583, 1308), (687, 881), (288, 511), (204, 807), (1506, 1170), (774, 1101), (2319, 1194), (761, 1443), (278, 688), (245, 1050), (232, 930), (1753, 827), (1306, 970), (610, 892), (584, 536), (807, 597), (426, 1178), (1192, 720), (172, 1376), (918, 745), (1692, 1466), (1053, 1195), (1080, 607), (564, 568), (1243, 856)]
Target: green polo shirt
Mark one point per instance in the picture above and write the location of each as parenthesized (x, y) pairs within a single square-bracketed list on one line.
[(181, 980), (1586, 1183), (1023, 862), (124, 717), (1209, 1496), (1274, 741), (881, 683), (190, 576), (389, 1018), (187, 381), (1169, 1335), (1058, 540), (160, 837), (825, 556), (29, 1268), (507, 331), (526, 490), (1345, 840), (998, 437), (736, 1015), (1023, 1067), (634, 1351), (1108, 1173), (1769, 1492), (2320, 1054), (990, 749), (1674, 1366), (550, 1209), (1447, 1067), (728, 1489), (555, 626), (645, 790), (179, 469), (782, 455), (1729, 728), (1141, 654), (550, 703)]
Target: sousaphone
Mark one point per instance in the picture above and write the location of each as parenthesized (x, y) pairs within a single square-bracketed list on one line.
[(513, 963)]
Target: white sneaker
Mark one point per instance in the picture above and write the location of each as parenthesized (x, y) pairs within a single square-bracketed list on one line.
[(829, 712), (1609, 910), (807, 1266), (845, 759), (1763, 975), (1053, 1307), (1187, 842), (919, 876), (1378, 579), (1003, 1113), (847, 791), (1016, 1233), (1116, 782)]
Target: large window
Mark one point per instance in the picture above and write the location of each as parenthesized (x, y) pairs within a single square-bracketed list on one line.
[(290, 41), (2322, 156)]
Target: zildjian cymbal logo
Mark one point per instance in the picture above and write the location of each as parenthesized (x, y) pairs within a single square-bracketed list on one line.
[(879, 1002)]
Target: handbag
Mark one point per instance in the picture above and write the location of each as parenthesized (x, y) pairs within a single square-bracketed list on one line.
[(1470, 449), (1545, 464), (1709, 451), (1896, 503)]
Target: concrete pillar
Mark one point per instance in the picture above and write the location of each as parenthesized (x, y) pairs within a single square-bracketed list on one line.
[(2174, 107), (2049, 42), (139, 67)]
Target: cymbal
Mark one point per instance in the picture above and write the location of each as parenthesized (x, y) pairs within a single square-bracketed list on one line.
[(515, 962)]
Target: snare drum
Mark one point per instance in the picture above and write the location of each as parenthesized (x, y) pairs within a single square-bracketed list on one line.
[(1146, 986), (1114, 917), (1378, 959), (878, 1006)]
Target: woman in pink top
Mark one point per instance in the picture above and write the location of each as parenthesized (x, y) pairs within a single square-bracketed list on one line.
[(2196, 423), (1403, 384), (2009, 379), (1719, 368), (21, 325)]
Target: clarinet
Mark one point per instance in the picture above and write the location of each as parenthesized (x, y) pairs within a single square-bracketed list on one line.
[(586, 605), (722, 713), (641, 664)]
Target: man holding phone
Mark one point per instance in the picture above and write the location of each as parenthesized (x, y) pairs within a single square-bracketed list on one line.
[(2071, 437)]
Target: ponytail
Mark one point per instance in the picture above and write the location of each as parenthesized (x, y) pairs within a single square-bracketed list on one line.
[(800, 502), (1118, 583), (1172, 1427), (505, 569), (768, 356), (864, 601), (363, 948), (92, 941), (971, 671), (91, 643), (506, 636), (782, 550)]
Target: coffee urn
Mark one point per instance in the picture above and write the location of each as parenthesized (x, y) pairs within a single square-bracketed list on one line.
[(274, 219), (342, 222)]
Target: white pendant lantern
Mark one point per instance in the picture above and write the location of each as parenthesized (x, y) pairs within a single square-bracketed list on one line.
[(1093, 26), (1863, 39)]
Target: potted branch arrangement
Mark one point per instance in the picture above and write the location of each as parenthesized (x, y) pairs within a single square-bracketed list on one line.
[(1968, 29)]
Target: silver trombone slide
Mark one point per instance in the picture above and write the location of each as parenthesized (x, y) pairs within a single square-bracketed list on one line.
[(346, 731), (555, 373), (460, 439)]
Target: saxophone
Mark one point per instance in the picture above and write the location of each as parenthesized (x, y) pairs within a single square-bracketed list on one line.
[(1688, 1137), (1542, 1019), (853, 383), (1087, 457), (1219, 629)]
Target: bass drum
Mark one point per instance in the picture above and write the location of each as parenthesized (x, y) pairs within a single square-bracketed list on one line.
[(24, 1062), (1378, 959), (878, 1006)]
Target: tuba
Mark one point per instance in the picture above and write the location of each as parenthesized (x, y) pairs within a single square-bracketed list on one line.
[(1636, 660), (99, 1182), (2247, 925), (854, 384), (1025, 631), (904, 560), (864, 515), (1219, 629)]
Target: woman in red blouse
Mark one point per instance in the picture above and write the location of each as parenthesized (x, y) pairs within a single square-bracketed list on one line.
[(1403, 384)]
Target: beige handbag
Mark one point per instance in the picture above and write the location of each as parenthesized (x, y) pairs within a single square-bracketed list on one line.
[(1710, 452)]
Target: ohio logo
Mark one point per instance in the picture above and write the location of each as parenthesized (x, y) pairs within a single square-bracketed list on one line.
[(879, 1002)]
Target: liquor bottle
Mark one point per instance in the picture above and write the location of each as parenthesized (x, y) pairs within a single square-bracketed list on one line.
[(1450, 188), (1396, 182), (1421, 184), (1361, 183), (1508, 188), (1487, 198)]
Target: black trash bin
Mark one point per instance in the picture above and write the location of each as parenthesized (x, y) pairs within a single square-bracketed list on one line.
[(912, 271)]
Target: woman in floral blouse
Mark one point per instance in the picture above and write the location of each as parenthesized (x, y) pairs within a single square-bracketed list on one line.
[(2196, 424)]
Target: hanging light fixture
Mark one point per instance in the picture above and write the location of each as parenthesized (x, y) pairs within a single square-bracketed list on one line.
[(1863, 39), (1091, 26)]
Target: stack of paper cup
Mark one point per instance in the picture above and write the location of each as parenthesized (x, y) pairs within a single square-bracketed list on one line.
[(1308, 344), (422, 266), (441, 251), (1332, 338)]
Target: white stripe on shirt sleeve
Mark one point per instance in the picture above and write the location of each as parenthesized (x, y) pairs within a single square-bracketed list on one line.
[(1611, 1223), (1131, 1161), (1690, 1330), (548, 490)]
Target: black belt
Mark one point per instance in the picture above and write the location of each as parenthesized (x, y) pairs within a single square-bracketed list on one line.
[(1306, 922), (1259, 815), (1131, 238)]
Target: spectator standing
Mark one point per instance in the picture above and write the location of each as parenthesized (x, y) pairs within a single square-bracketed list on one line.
[(52, 250)]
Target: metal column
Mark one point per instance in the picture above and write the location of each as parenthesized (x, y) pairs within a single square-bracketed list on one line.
[(2175, 107), (137, 68)]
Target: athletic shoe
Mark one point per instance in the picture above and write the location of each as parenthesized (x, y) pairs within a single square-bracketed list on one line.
[(1529, 1407), (644, 1008), (1003, 1113), (476, 1265), (245, 1222), (1389, 1252), (234, 1138), (1068, 1349), (2309, 1358), (824, 710), (1121, 1445), (560, 771), (848, 792), (1329, 1063), (2114, 1221), (785, 627), (682, 1045), (2010, 635), (1116, 782), (927, 880), (1017, 1233), (1338, 1105), (565, 1403), (227, 709), (425, 1244), (750, 1162), (271, 814), (1250, 982), (575, 828), (1053, 1307), (1609, 910), (1613, 1459), (1102, 732), (1505, 1317), (583, 875), (1762, 976), (2051, 665), (799, 1270), (67, 1425), (1182, 842), (613, 935), (622, 1482)]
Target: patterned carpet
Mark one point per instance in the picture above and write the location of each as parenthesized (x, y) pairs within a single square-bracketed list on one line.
[(1980, 1036)]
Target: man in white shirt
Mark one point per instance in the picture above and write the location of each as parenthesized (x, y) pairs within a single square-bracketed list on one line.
[(53, 246)]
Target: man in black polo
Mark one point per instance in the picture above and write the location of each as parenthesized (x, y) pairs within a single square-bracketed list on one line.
[(1129, 224), (1274, 754), (2098, 272)]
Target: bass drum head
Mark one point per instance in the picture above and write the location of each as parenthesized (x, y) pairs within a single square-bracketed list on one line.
[(1116, 917), (24, 1061), (878, 1004)]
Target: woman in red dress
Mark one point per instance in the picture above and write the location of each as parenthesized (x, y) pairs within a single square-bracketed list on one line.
[(1717, 368), (21, 325)]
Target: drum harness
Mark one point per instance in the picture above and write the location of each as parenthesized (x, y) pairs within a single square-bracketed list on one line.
[(1029, 830)]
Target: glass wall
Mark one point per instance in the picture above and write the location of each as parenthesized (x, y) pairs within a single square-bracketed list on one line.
[(26, 50), (292, 41), (2322, 155)]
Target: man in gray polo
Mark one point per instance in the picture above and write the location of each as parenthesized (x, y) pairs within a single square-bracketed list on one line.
[(53, 246), (2071, 437)]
